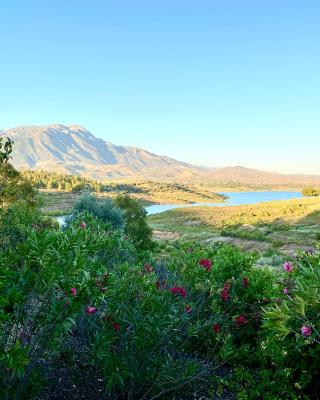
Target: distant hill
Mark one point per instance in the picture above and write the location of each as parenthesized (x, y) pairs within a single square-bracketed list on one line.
[(73, 149)]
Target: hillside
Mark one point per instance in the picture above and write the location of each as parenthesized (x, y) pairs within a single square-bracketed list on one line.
[(75, 150)]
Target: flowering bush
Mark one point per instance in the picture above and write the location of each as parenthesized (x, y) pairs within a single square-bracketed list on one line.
[(291, 339), (86, 311)]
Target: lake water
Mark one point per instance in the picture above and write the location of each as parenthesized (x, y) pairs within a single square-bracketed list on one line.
[(235, 199)]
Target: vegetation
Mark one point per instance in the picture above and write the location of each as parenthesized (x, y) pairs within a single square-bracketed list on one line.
[(286, 225), (311, 191), (145, 191), (136, 228), (93, 311)]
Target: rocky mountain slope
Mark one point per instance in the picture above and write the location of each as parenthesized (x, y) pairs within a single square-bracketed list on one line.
[(73, 149)]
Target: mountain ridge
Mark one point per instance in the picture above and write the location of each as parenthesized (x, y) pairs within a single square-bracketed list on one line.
[(74, 149)]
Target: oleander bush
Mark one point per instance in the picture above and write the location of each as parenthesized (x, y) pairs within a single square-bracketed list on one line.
[(96, 311)]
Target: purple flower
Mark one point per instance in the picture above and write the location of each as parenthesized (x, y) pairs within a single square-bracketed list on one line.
[(287, 266), (306, 330), (286, 290)]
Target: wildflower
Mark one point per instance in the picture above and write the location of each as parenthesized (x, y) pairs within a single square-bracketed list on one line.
[(240, 320), (73, 291), (188, 309), (216, 328), (116, 326), (91, 310), (83, 225), (179, 290), (148, 267), (67, 303), (287, 266), (286, 290), (245, 281), (306, 330), (206, 263)]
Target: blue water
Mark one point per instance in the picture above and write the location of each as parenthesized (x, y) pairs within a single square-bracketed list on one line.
[(234, 199)]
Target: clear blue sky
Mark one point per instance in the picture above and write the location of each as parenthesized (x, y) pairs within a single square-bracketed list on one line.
[(228, 82)]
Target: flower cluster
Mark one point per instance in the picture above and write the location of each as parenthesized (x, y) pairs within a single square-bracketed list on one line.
[(287, 266), (306, 330), (179, 290), (225, 292), (240, 320), (206, 264)]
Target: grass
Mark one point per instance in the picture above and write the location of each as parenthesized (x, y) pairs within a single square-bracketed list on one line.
[(282, 226)]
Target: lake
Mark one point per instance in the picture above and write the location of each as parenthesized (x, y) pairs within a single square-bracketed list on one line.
[(235, 199)]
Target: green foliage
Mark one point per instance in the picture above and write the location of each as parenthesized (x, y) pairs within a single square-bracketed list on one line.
[(87, 304), (5, 150), (310, 191), (105, 210), (13, 187), (136, 226)]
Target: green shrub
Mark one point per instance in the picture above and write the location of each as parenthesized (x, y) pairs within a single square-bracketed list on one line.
[(136, 226), (105, 210)]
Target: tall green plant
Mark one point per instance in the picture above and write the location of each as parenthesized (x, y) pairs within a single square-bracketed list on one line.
[(136, 227)]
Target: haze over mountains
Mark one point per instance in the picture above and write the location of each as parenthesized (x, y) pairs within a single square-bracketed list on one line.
[(75, 150)]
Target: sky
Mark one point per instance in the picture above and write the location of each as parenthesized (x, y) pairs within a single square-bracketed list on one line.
[(216, 83)]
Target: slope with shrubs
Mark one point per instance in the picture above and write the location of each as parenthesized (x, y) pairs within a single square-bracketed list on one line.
[(88, 312)]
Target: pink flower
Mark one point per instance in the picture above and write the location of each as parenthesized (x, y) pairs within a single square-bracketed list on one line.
[(179, 290), (216, 328), (206, 263), (91, 310), (287, 266), (73, 291), (286, 290), (116, 326), (225, 292), (148, 267), (240, 320), (245, 281), (306, 330), (83, 225), (188, 309)]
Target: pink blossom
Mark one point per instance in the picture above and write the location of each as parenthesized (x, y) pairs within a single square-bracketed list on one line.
[(91, 310), (287, 266), (225, 292), (241, 320), (286, 290), (216, 328), (73, 291), (179, 290), (306, 330), (206, 264), (83, 225)]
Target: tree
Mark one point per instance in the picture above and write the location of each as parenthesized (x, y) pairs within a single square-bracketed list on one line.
[(136, 227), (13, 186)]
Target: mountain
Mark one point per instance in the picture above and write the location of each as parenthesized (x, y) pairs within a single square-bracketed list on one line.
[(75, 150)]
